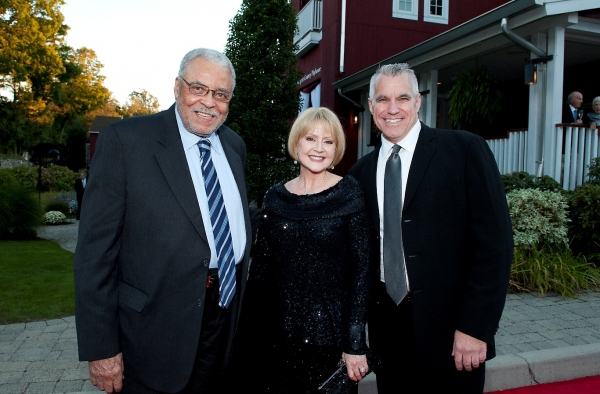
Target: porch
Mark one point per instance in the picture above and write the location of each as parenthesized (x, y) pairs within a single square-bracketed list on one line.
[(574, 149)]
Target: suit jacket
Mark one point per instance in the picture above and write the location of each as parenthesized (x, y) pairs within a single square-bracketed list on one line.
[(142, 256), (457, 238), (79, 189), (567, 115)]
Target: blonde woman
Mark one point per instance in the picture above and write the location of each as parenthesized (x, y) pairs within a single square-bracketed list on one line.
[(309, 279)]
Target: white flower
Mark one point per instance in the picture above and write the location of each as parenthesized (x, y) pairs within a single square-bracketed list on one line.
[(54, 217)]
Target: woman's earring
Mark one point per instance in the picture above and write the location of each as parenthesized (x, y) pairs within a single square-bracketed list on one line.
[(331, 168), (295, 162)]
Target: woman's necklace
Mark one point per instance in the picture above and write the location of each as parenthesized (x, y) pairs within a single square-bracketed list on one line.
[(312, 188)]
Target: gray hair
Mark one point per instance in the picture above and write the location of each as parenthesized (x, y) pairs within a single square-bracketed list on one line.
[(595, 99), (210, 55), (393, 70)]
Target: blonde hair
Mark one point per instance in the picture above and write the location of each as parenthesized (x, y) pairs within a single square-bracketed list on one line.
[(307, 121)]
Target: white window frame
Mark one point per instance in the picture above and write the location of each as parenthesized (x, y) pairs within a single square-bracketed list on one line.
[(442, 19), (412, 15)]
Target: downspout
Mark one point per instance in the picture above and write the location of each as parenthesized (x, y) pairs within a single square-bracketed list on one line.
[(519, 40), (343, 37), (541, 54)]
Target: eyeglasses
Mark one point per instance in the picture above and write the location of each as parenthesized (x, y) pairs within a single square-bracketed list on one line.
[(197, 89)]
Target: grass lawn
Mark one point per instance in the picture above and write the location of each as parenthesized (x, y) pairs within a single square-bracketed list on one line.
[(36, 281)]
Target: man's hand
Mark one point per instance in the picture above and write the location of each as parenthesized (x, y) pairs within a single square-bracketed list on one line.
[(107, 374), (468, 351)]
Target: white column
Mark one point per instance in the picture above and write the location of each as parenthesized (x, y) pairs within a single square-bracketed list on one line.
[(428, 111), (554, 100), (535, 124)]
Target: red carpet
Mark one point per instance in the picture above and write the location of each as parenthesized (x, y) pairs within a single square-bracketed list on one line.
[(589, 385)]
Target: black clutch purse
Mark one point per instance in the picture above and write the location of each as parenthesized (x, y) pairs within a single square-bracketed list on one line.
[(340, 383)]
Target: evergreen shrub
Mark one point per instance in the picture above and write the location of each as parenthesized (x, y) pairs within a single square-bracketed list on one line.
[(524, 180), (594, 171), (54, 177), (19, 210), (54, 217), (538, 217), (584, 229)]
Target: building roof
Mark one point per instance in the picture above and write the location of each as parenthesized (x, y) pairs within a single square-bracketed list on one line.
[(468, 40), (100, 122)]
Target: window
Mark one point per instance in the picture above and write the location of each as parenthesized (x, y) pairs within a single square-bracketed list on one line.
[(310, 97), (436, 11), (406, 9)]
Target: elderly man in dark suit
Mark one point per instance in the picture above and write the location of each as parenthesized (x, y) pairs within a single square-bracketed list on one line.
[(79, 190), (162, 257), (571, 109), (440, 214)]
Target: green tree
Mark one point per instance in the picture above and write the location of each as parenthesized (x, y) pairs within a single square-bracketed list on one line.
[(139, 103), (261, 48), (77, 92), (81, 88), (31, 33)]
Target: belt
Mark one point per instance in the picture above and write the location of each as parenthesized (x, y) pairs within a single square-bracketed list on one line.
[(213, 276)]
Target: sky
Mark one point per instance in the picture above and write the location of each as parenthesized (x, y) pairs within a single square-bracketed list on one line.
[(141, 42)]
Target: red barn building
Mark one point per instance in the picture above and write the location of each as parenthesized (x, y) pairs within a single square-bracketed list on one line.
[(341, 44)]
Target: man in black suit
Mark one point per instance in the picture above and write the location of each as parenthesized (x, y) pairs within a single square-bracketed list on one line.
[(455, 231), (150, 300), (79, 189), (571, 108)]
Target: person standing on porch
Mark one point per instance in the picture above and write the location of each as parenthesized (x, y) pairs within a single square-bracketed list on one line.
[(440, 214), (594, 116), (571, 109)]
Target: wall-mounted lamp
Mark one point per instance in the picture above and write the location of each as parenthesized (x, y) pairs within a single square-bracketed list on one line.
[(530, 74), (355, 119), (531, 68)]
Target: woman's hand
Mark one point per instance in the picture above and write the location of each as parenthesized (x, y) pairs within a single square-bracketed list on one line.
[(356, 365)]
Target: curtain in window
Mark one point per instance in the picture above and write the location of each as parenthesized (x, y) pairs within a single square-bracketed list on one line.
[(315, 96)]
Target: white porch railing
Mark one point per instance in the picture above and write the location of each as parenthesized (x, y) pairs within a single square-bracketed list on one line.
[(511, 152), (310, 23), (576, 146), (580, 148)]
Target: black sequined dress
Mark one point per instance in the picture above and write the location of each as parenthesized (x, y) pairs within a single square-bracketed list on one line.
[(309, 282)]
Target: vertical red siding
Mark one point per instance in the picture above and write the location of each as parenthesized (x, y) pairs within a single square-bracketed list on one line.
[(372, 35)]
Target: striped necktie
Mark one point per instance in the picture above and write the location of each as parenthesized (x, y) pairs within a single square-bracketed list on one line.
[(220, 226)]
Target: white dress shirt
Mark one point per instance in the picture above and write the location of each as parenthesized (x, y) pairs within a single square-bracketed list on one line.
[(408, 145), (231, 193)]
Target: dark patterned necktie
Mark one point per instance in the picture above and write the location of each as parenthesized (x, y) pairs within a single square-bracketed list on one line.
[(393, 255), (220, 226)]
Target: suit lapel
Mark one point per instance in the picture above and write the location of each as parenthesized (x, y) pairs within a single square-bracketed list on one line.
[(174, 166), (423, 153)]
